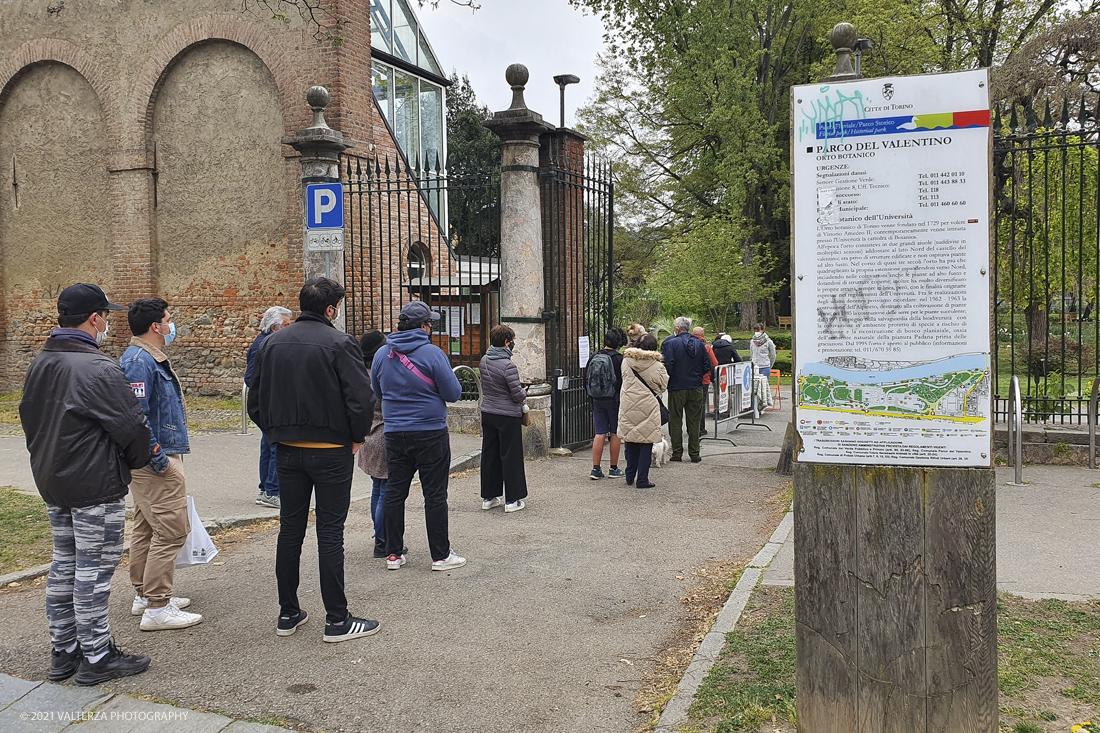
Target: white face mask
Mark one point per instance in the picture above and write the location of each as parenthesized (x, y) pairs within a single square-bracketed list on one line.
[(336, 316), (101, 336)]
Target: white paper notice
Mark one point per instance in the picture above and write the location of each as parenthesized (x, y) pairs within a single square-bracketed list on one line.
[(584, 349), (891, 262), (456, 320)]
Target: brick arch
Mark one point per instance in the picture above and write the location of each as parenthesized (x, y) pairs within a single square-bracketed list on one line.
[(183, 38), (54, 50)]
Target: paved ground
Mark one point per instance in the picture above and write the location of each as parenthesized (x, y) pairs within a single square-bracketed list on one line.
[(1045, 532), (551, 626), (43, 707), (222, 472)]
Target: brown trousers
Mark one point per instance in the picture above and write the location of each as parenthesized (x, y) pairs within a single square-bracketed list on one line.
[(160, 529)]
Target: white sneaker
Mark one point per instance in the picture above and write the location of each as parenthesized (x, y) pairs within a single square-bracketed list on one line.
[(514, 506), (490, 503), (393, 562), (170, 618), (140, 604), (450, 562)]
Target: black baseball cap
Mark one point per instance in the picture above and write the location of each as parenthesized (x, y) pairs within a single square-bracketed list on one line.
[(76, 300), (417, 313)]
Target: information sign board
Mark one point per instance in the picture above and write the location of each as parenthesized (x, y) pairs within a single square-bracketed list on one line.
[(324, 240), (891, 270)]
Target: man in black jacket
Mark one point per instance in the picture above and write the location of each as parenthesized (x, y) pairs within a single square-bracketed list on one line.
[(311, 396), (85, 431)]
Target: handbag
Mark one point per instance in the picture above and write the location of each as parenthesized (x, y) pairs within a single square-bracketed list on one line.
[(664, 410), (526, 419)]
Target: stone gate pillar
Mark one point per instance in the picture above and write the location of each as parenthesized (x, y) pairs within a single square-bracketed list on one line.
[(522, 283), (320, 147)]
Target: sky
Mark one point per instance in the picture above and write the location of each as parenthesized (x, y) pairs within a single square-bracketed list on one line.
[(549, 37)]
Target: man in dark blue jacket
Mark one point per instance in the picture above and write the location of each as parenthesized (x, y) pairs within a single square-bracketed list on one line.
[(686, 361), (311, 395), (415, 381), (274, 318)]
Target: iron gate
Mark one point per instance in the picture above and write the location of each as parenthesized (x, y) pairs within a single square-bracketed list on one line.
[(578, 225), (429, 234), (1046, 283)]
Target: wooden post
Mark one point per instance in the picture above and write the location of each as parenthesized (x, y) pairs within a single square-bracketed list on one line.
[(895, 565), (896, 587)]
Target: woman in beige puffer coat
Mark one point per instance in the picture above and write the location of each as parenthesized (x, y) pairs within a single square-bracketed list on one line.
[(639, 410)]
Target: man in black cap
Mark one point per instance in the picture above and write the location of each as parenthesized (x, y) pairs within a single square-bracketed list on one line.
[(311, 396), (414, 379), (85, 432)]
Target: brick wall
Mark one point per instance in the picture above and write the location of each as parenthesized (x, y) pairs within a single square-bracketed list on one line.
[(219, 253)]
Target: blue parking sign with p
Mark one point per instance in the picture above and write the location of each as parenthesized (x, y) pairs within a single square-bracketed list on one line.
[(324, 206)]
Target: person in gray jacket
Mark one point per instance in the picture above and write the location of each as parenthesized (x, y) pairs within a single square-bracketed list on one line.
[(502, 476)]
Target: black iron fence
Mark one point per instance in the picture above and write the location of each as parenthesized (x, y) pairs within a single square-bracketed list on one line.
[(1046, 254), (424, 233), (578, 220)]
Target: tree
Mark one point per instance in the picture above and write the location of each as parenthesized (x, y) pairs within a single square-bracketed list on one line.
[(467, 137), (473, 152), (703, 271), (693, 104)]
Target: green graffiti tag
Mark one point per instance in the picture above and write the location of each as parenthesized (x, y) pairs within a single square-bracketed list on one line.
[(830, 109)]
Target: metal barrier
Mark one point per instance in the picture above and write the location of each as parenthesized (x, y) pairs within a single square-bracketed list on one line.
[(477, 379), (1016, 430), (1092, 422), (244, 411)]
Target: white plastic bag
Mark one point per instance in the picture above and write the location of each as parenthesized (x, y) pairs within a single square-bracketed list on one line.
[(198, 548)]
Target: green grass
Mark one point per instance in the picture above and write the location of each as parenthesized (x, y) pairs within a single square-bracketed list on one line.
[(754, 678), (25, 527), (9, 411), (1048, 638)]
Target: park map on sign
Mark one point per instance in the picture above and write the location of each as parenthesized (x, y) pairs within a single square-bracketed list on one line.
[(955, 389)]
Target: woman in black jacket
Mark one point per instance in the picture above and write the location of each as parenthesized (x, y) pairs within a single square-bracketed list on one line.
[(724, 351), (502, 396)]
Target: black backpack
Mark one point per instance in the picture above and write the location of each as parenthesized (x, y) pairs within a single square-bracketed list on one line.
[(600, 378)]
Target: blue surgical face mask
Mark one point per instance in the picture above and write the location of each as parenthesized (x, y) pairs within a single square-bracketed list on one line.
[(171, 335)]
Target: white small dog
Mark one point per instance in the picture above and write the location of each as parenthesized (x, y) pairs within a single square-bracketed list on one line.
[(661, 451)]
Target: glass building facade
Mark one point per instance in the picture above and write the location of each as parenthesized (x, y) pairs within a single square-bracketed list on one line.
[(411, 102)]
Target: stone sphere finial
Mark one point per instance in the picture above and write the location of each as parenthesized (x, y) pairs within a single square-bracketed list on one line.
[(318, 98), (843, 35), (517, 76)]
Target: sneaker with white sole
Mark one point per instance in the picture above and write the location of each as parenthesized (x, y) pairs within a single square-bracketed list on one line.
[(169, 619), (514, 506), (271, 500), (289, 624), (352, 628), (393, 562), (450, 562), (140, 604), (490, 503)]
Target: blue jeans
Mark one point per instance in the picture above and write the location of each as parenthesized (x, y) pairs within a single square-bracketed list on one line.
[(377, 497), (269, 476)]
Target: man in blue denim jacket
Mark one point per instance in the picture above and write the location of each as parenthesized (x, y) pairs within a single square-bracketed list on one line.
[(159, 490)]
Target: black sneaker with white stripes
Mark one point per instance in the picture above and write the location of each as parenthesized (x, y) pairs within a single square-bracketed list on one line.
[(352, 628)]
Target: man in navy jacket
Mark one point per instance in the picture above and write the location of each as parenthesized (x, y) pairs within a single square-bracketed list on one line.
[(686, 361), (415, 381)]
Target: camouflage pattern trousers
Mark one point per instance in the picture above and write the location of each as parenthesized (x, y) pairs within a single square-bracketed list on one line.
[(87, 545)]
